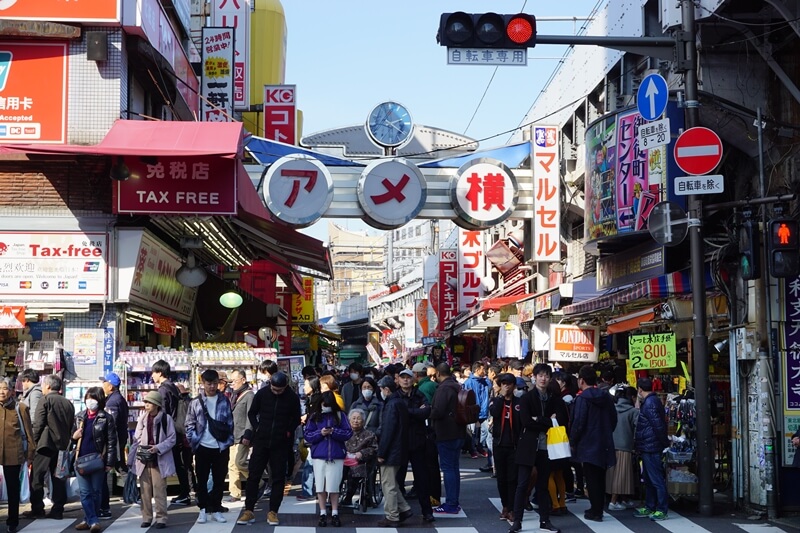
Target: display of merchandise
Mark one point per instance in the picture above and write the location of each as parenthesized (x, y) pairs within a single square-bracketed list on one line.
[(227, 357)]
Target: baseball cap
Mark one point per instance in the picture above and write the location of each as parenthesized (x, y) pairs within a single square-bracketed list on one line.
[(388, 382), (279, 380), (421, 367), (407, 372), (112, 378)]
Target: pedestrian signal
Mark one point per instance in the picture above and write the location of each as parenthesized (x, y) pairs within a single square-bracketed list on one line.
[(784, 247), (487, 30), (749, 250)]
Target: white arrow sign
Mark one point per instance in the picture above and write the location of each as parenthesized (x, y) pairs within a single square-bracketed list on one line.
[(650, 93)]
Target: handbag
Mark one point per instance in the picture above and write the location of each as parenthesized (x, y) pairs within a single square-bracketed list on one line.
[(64, 468), (558, 442), (146, 455), (219, 430), (89, 463)]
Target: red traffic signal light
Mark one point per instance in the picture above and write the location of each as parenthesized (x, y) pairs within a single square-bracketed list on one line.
[(487, 30), (784, 247)]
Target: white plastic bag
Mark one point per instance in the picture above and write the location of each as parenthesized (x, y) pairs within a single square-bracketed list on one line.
[(24, 484)]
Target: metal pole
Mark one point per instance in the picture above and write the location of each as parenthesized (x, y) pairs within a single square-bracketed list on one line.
[(705, 448)]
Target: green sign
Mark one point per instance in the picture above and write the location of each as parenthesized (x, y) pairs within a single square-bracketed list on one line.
[(654, 350)]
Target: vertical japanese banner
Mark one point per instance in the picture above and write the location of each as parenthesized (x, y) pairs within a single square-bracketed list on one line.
[(217, 85), (547, 194), (448, 280), (236, 14), (421, 324), (280, 111), (471, 268), (632, 165), (303, 304), (791, 367)]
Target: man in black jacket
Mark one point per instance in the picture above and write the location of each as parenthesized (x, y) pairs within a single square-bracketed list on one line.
[(52, 430), (392, 453), (449, 436), (274, 416), (118, 408), (504, 410), (170, 395)]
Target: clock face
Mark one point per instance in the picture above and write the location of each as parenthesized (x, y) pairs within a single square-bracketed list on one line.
[(390, 124)]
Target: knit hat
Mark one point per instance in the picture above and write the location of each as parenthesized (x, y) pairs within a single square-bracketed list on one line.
[(154, 397)]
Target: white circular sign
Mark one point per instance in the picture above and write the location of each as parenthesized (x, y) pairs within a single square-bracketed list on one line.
[(391, 193), (298, 189), (484, 193)]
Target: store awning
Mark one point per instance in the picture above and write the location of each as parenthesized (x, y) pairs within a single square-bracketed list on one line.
[(630, 321), (513, 156), (485, 314), (266, 152)]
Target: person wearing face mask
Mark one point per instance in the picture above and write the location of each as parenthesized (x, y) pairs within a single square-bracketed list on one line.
[(311, 394), (327, 430), (361, 450), (506, 428), (95, 433), (449, 437), (392, 453), (371, 403), (351, 391), (16, 447)]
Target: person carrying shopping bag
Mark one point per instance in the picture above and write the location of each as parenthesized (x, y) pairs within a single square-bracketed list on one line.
[(16, 447), (151, 458)]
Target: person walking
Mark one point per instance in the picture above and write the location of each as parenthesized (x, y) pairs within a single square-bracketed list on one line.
[(241, 400), (171, 396), (274, 417), (650, 440), (449, 436), (327, 430), (52, 427), (592, 437), (209, 428), (620, 477), (96, 435), (506, 428), (392, 452), (16, 447), (151, 458), (118, 408)]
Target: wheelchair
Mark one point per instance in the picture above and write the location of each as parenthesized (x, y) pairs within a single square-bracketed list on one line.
[(361, 487)]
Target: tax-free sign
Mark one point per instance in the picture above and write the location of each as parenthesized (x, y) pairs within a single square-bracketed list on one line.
[(656, 350)]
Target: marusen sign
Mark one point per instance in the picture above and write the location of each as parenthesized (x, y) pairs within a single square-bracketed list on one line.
[(573, 343)]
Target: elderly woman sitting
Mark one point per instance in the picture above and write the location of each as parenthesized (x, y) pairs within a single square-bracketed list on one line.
[(361, 450)]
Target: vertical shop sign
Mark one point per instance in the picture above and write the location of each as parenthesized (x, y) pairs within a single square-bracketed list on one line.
[(547, 194), (303, 304), (791, 370), (471, 268), (421, 324), (280, 113), (217, 85), (236, 14), (86, 11), (448, 279), (632, 182), (109, 340)]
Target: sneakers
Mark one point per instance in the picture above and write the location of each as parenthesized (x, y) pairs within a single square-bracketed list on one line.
[(104, 515), (323, 521), (474, 455), (82, 526), (643, 512), (516, 526), (447, 509), (272, 518), (658, 516), (181, 500), (486, 468), (570, 497), (201, 517), (483, 453), (219, 518), (246, 518), (335, 522), (616, 507), (231, 499), (547, 526)]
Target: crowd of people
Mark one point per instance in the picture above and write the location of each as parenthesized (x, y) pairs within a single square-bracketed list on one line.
[(339, 431)]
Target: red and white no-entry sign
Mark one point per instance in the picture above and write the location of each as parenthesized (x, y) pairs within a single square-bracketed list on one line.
[(698, 151)]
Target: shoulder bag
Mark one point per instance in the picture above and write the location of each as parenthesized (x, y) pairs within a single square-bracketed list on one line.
[(219, 430), (89, 463)]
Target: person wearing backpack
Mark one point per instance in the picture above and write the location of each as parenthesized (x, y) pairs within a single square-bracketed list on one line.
[(15, 423), (171, 396), (449, 436)]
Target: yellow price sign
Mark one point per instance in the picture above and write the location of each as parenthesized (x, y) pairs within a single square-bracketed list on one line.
[(656, 350)]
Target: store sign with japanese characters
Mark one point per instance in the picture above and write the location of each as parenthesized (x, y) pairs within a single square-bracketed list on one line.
[(791, 363), (574, 343), (236, 14), (32, 111), (298, 190), (471, 267), (391, 193), (280, 113), (656, 350), (487, 56), (217, 86), (484, 193), (303, 304), (547, 194), (53, 265), (178, 186), (448, 280)]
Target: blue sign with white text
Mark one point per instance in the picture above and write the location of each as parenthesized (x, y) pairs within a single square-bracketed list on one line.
[(652, 97)]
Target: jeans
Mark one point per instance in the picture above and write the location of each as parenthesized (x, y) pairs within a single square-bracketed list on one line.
[(449, 452), (307, 477), (655, 485), (486, 440), (211, 462), (91, 489)]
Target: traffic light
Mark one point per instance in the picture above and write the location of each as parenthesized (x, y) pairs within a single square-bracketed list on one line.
[(749, 250), (487, 30), (784, 251)]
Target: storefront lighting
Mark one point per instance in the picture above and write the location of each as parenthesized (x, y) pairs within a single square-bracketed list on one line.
[(231, 300), (191, 275), (120, 171)]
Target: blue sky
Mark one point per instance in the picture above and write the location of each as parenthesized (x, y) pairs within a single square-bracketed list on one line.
[(345, 56)]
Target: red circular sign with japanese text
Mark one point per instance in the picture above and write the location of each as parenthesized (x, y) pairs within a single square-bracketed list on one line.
[(298, 189), (391, 193), (698, 151), (484, 192)]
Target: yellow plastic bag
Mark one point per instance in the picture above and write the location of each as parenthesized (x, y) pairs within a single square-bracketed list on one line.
[(558, 442)]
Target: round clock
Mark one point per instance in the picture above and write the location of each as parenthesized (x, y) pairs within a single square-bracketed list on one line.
[(389, 124)]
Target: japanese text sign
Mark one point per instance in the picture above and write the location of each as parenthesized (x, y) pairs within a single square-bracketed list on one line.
[(53, 266), (280, 113), (448, 296), (631, 177), (178, 185), (303, 304), (487, 56), (655, 350), (573, 343), (217, 85), (391, 193), (32, 109), (164, 325), (236, 14), (59, 10), (791, 370), (484, 193), (471, 267), (547, 194), (298, 189)]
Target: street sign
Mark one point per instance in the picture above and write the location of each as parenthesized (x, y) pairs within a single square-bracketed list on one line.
[(668, 223), (698, 151), (652, 97), (654, 134), (710, 184)]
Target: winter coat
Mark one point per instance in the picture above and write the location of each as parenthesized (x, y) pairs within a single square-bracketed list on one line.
[(366, 442), (273, 417), (427, 387), (328, 447), (241, 400), (592, 432), (104, 433), (372, 410), (31, 398), (170, 395), (481, 387), (11, 452), (393, 441), (118, 407), (418, 413), (496, 412), (196, 421), (443, 411), (348, 393), (651, 428), (626, 425), (52, 423), (535, 417), (164, 443)]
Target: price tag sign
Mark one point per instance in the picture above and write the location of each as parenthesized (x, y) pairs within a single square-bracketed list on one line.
[(654, 134), (656, 350)]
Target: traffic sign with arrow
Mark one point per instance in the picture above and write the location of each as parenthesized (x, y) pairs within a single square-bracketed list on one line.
[(652, 97)]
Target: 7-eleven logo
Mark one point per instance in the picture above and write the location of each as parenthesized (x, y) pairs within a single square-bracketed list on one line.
[(5, 66)]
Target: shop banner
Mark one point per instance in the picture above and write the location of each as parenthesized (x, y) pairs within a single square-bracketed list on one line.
[(109, 341), (422, 324), (53, 266), (448, 280), (574, 343), (58, 10), (32, 111), (164, 324), (217, 85), (12, 317), (236, 14), (652, 350), (177, 186), (547, 194), (85, 348), (471, 267), (791, 363), (303, 304), (280, 113)]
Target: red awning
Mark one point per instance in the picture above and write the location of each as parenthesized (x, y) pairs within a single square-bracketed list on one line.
[(500, 301)]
